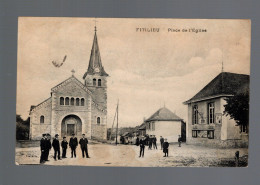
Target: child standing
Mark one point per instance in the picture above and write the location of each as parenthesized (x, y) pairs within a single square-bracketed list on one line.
[(64, 145)]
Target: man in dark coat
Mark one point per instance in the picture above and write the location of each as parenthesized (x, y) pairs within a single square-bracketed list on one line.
[(73, 145), (48, 146), (142, 146), (150, 140), (56, 147), (43, 148), (179, 141), (161, 141), (64, 146), (137, 141), (154, 142), (84, 146), (165, 148)]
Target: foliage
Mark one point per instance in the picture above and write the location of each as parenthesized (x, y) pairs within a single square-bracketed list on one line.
[(237, 108), (22, 128)]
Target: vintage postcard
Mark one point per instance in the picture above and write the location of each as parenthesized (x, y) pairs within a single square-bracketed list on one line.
[(133, 92)]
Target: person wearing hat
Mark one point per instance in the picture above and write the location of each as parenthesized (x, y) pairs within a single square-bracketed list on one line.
[(150, 142), (56, 147), (179, 141), (154, 142), (73, 145), (165, 147), (161, 141), (84, 146), (48, 146), (43, 148), (64, 145), (142, 146)]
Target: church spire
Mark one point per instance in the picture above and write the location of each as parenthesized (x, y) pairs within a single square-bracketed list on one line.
[(95, 64)]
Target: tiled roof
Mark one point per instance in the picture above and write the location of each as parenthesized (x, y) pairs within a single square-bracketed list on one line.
[(163, 114), (223, 84)]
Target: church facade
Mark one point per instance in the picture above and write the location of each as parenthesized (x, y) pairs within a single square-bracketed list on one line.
[(75, 107)]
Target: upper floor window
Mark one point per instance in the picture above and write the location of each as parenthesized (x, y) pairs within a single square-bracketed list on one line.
[(72, 101), (94, 82), (211, 113), (61, 101), (98, 120), (67, 101), (77, 101), (99, 82), (82, 101), (195, 114), (42, 119)]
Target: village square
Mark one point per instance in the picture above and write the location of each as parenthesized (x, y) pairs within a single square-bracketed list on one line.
[(71, 126)]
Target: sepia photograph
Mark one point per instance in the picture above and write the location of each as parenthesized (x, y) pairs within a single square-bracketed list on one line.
[(133, 92)]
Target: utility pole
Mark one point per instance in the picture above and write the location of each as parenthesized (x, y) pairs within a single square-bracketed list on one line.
[(117, 121)]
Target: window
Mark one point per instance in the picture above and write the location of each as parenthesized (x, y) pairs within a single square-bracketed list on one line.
[(98, 120), (99, 82), (153, 126), (194, 133), (42, 119), (77, 101), (61, 101), (94, 82), (67, 101), (211, 134), (195, 114), (72, 101), (82, 101), (211, 113)]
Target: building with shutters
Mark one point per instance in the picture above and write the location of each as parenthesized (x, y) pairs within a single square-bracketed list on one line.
[(207, 124)]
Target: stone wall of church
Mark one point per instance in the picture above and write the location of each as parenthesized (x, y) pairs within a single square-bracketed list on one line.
[(59, 112), (98, 130), (37, 128)]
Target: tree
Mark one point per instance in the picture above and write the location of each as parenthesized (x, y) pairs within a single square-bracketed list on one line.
[(22, 128), (237, 108)]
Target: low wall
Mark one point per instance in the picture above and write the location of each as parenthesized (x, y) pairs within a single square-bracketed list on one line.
[(215, 143)]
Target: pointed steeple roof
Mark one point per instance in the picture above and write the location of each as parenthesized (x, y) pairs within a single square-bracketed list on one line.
[(95, 64)]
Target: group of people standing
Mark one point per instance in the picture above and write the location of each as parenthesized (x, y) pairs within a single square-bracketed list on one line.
[(151, 141), (45, 145)]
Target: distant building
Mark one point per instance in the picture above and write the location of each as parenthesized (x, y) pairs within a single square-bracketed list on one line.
[(75, 107), (206, 123), (166, 124)]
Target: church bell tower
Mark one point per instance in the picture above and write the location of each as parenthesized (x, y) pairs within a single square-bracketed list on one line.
[(96, 77)]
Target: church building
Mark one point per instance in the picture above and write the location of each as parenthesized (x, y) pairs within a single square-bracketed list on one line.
[(75, 107)]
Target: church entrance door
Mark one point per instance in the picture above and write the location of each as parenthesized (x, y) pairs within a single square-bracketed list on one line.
[(70, 129), (71, 124)]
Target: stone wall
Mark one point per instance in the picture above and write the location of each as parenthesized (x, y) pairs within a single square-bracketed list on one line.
[(215, 143), (37, 128), (71, 90), (99, 132)]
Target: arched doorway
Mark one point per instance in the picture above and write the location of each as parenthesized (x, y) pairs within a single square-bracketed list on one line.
[(71, 124)]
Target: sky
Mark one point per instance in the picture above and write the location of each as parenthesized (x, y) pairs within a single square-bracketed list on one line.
[(147, 70)]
